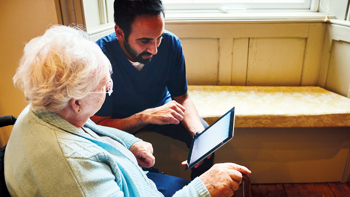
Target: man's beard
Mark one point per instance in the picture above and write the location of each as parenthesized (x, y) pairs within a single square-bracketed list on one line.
[(133, 54)]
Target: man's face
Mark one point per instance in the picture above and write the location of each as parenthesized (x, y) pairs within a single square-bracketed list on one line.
[(144, 39), (137, 57)]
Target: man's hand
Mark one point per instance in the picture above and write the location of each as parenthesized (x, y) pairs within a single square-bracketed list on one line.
[(223, 179), (170, 113), (143, 152)]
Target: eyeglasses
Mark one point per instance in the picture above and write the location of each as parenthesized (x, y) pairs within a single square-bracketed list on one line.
[(109, 88)]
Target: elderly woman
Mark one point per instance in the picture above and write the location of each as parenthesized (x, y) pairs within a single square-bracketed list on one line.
[(56, 150)]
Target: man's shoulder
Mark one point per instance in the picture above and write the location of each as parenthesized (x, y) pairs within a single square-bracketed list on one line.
[(107, 40), (169, 35), (170, 41), (110, 46)]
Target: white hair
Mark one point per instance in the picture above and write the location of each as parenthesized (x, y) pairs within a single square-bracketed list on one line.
[(60, 65)]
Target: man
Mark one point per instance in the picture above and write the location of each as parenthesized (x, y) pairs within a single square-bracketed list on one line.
[(150, 77)]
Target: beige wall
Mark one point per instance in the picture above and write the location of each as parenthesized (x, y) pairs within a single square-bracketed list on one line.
[(271, 53), (21, 20)]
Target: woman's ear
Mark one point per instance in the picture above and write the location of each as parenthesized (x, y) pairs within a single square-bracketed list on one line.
[(75, 105)]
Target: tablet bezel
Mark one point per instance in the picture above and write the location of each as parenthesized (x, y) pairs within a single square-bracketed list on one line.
[(230, 135)]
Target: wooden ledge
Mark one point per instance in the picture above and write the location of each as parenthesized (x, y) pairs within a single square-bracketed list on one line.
[(273, 107)]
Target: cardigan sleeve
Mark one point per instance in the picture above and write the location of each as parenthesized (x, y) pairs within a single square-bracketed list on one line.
[(196, 188), (94, 178)]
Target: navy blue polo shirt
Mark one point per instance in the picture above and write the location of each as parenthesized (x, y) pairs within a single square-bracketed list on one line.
[(154, 85)]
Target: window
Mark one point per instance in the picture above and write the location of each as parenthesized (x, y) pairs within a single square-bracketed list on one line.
[(236, 5), (229, 10)]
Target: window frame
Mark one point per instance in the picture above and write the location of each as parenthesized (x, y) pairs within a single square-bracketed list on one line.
[(174, 6)]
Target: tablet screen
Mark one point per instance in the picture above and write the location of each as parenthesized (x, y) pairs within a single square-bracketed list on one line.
[(211, 139)]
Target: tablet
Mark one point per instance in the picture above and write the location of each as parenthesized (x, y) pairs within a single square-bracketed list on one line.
[(212, 138)]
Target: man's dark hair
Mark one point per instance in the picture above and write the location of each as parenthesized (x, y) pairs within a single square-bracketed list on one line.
[(125, 12)]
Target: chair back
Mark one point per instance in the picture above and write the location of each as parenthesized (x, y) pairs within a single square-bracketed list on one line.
[(4, 121), (7, 120)]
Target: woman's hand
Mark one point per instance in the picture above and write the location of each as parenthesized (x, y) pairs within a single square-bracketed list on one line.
[(223, 179), (143, 152)]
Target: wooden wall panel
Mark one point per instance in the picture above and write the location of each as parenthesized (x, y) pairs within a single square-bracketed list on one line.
[(239, 61), (238, 30), (290, 55), (225, 61), (280, 155), (289, 155), (338, 78), (322, 75), (313, 52), (335, 59), (202, 56), (275, 61)]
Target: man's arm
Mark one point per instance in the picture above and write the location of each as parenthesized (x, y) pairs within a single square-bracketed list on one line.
[(130, 124), (191, 119), (170, 113)]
